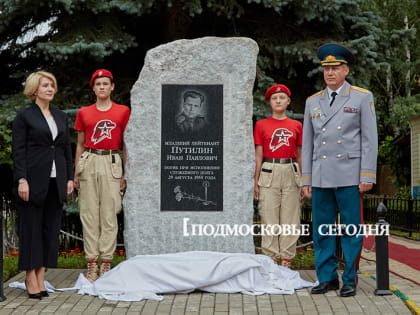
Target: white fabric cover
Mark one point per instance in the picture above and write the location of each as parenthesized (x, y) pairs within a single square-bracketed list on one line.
[(48, 286), (146, 276)]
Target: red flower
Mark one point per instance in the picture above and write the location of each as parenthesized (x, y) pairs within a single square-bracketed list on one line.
[(11, 248)]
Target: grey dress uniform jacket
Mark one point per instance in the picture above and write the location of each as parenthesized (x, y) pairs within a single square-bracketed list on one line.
[(340, 143)]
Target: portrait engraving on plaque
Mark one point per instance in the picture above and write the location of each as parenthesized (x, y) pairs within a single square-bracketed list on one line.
[(192, 117), (192, 148)]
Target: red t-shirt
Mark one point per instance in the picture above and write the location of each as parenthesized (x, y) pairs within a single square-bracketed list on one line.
[(103, 129), (278, 137)]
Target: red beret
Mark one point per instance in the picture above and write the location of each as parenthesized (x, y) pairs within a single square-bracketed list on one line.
[(99, 74), (277, 88)]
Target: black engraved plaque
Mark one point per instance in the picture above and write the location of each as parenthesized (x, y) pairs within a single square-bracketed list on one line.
[(192, 148)]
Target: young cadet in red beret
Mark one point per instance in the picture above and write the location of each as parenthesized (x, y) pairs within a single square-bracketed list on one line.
[(278, 150), (99, 172)]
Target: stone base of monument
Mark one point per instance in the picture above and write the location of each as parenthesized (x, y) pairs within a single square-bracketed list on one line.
[(190, 163)]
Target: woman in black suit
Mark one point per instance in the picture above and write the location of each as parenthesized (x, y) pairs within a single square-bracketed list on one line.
[(43, 176)]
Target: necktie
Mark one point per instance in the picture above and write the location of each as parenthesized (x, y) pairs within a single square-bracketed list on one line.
[(333, 95)]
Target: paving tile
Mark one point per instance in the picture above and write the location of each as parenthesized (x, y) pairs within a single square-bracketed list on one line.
[(136, 306), (21, 309), (222, 298), (120, 310), (207, 300), (250, 307), (149, 307), (163, 309), (221, 307), (236, 311), (302, 302), (206, 311)]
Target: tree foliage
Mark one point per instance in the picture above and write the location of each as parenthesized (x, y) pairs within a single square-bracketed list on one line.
[(72, 38), (83, 34), (396, 84)]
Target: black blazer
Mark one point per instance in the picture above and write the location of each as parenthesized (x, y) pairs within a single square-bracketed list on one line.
[(34, 151)]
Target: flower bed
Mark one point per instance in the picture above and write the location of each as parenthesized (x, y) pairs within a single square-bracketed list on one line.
[(74, 259)]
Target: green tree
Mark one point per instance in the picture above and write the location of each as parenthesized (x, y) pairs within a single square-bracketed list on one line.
[(72, 38), (399, 55), (396, 83)]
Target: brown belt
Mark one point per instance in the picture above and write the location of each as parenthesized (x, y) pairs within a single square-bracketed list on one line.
[(279, 161), (102, 152)]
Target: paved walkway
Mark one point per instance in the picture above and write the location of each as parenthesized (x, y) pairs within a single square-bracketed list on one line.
[(302, 302), (398, 267)]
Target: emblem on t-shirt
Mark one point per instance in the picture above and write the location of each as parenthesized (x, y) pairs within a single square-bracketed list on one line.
[(102, 130), (280, 137)]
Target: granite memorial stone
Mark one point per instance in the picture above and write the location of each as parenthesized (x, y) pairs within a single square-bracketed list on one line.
[(190, 162)]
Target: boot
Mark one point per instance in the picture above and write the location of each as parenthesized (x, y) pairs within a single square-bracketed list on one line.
[(105, 266), (92, 267)]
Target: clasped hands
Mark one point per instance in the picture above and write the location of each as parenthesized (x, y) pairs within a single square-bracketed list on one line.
[(23, 189)]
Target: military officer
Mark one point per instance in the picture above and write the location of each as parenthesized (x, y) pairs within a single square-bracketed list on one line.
[(190, 120), (339, 153)]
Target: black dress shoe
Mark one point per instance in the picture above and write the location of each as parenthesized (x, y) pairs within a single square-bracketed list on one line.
[(44, 293), (324, 287), (33, 295), (348, 290)]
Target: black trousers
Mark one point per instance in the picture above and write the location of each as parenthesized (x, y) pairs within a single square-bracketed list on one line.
[(39, 231)]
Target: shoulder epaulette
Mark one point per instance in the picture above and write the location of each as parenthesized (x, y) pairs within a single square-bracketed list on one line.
[(359, 89), (317, 93)]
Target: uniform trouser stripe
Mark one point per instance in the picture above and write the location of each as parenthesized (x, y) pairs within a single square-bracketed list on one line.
[(324, 205), (356, 263)]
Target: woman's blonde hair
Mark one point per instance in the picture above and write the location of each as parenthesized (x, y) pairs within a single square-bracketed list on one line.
[(32, 83)]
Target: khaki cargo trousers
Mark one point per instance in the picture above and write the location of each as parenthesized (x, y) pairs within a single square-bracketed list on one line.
[(279, 203), (99, 203)]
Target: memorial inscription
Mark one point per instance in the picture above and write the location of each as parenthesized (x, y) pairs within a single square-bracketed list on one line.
[(192, 148)]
